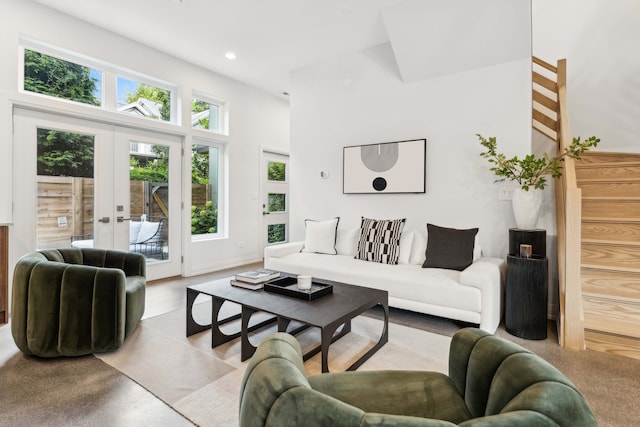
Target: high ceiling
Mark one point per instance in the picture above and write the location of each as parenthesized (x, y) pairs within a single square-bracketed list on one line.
[(269, 37)]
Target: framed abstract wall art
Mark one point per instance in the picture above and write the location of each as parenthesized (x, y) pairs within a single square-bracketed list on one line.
[(389, 167)]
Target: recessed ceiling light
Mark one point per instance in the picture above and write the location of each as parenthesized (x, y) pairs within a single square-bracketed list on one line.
[(230, 55)]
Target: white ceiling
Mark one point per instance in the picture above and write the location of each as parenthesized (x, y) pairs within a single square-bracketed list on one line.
[(269, 37)]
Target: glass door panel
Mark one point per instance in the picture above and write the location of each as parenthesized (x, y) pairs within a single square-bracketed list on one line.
[(149, 198), (275, 206), (65, 194), (148, 215), (65, 201)]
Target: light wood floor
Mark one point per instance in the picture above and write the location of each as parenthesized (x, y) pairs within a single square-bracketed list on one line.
[(610, 383)]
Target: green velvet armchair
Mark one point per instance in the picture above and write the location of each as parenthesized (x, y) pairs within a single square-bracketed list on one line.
[(72, 302), (491, 382)]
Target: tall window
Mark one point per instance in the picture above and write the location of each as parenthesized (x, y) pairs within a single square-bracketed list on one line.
[(206, 189), (208, 113), (56, 77)]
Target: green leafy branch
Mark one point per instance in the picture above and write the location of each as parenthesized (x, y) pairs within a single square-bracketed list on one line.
[(530, 172)]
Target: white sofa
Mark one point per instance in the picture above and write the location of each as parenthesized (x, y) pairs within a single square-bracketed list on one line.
[(473, 295)]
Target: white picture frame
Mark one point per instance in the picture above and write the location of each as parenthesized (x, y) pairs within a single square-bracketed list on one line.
[(389, 167)]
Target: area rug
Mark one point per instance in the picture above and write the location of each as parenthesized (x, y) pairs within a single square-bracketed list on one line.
[(203, 383), (78, 391)]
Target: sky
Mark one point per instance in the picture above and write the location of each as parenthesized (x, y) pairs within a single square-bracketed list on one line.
[(124, 86)]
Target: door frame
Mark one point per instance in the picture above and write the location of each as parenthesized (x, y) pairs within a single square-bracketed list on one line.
[(24, 235)]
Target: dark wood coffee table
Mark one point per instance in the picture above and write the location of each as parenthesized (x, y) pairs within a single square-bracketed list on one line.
[(327, 313)]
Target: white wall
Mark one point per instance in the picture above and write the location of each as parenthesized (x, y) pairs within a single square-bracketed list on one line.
[(361, 99), (256, 119), (599, 39)]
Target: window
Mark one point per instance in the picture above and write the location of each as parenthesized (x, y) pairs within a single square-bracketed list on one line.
[(57, 73), (276, 202), (56, 77), (276, 171), (276, 233), (144, 100), (207, 113), (206, 197)]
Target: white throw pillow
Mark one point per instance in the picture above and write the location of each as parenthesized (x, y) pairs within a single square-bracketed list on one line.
[(134, 230), (147, 231), (406, 240), (477, 249), (347, 241), (418, 247), (320, 236)]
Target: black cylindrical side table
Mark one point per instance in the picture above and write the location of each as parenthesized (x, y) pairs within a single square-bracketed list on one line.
[(536, 238), (526, 297)]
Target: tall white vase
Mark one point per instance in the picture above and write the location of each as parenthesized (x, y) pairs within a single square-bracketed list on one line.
[(526, 207)]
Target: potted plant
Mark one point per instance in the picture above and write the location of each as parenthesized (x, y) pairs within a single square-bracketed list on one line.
[(531, 174)]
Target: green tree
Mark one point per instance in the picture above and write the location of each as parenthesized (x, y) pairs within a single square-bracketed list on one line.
[(154, 94), (156, 170), (61, 153), (199, 166), (55, 77), (276, 171), (64, 154), (198, 106)]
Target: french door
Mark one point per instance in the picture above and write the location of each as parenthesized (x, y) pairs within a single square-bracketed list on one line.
[(85, 184)]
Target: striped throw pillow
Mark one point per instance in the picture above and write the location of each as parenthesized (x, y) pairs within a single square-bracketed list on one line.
[(380, 240)]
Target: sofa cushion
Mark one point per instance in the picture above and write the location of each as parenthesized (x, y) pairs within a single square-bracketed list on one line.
[(347, 241), (449, 247), (434, 286), (406, 242), (134, 230), (380, 240), (320, 236), (148, 232)]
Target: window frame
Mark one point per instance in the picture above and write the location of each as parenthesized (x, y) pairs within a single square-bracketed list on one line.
[(223, 112), (110, 74), (174, 94), (63, 55), (222, 186)]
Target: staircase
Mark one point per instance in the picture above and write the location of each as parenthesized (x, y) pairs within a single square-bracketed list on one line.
[(610, 254), (598, 230)]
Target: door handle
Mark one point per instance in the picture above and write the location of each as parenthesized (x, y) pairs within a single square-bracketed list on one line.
[(122, 219), (265, 213), (104, 219)]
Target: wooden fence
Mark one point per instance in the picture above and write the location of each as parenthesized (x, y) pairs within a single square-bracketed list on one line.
[(65, 206)]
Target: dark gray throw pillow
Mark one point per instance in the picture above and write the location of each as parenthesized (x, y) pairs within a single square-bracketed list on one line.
[(449, 247)]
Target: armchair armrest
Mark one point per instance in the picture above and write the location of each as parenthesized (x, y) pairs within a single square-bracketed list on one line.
[(487, 274), (277, 251)]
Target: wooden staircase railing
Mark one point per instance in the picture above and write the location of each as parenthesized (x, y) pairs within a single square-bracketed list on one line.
[(550, 117)]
